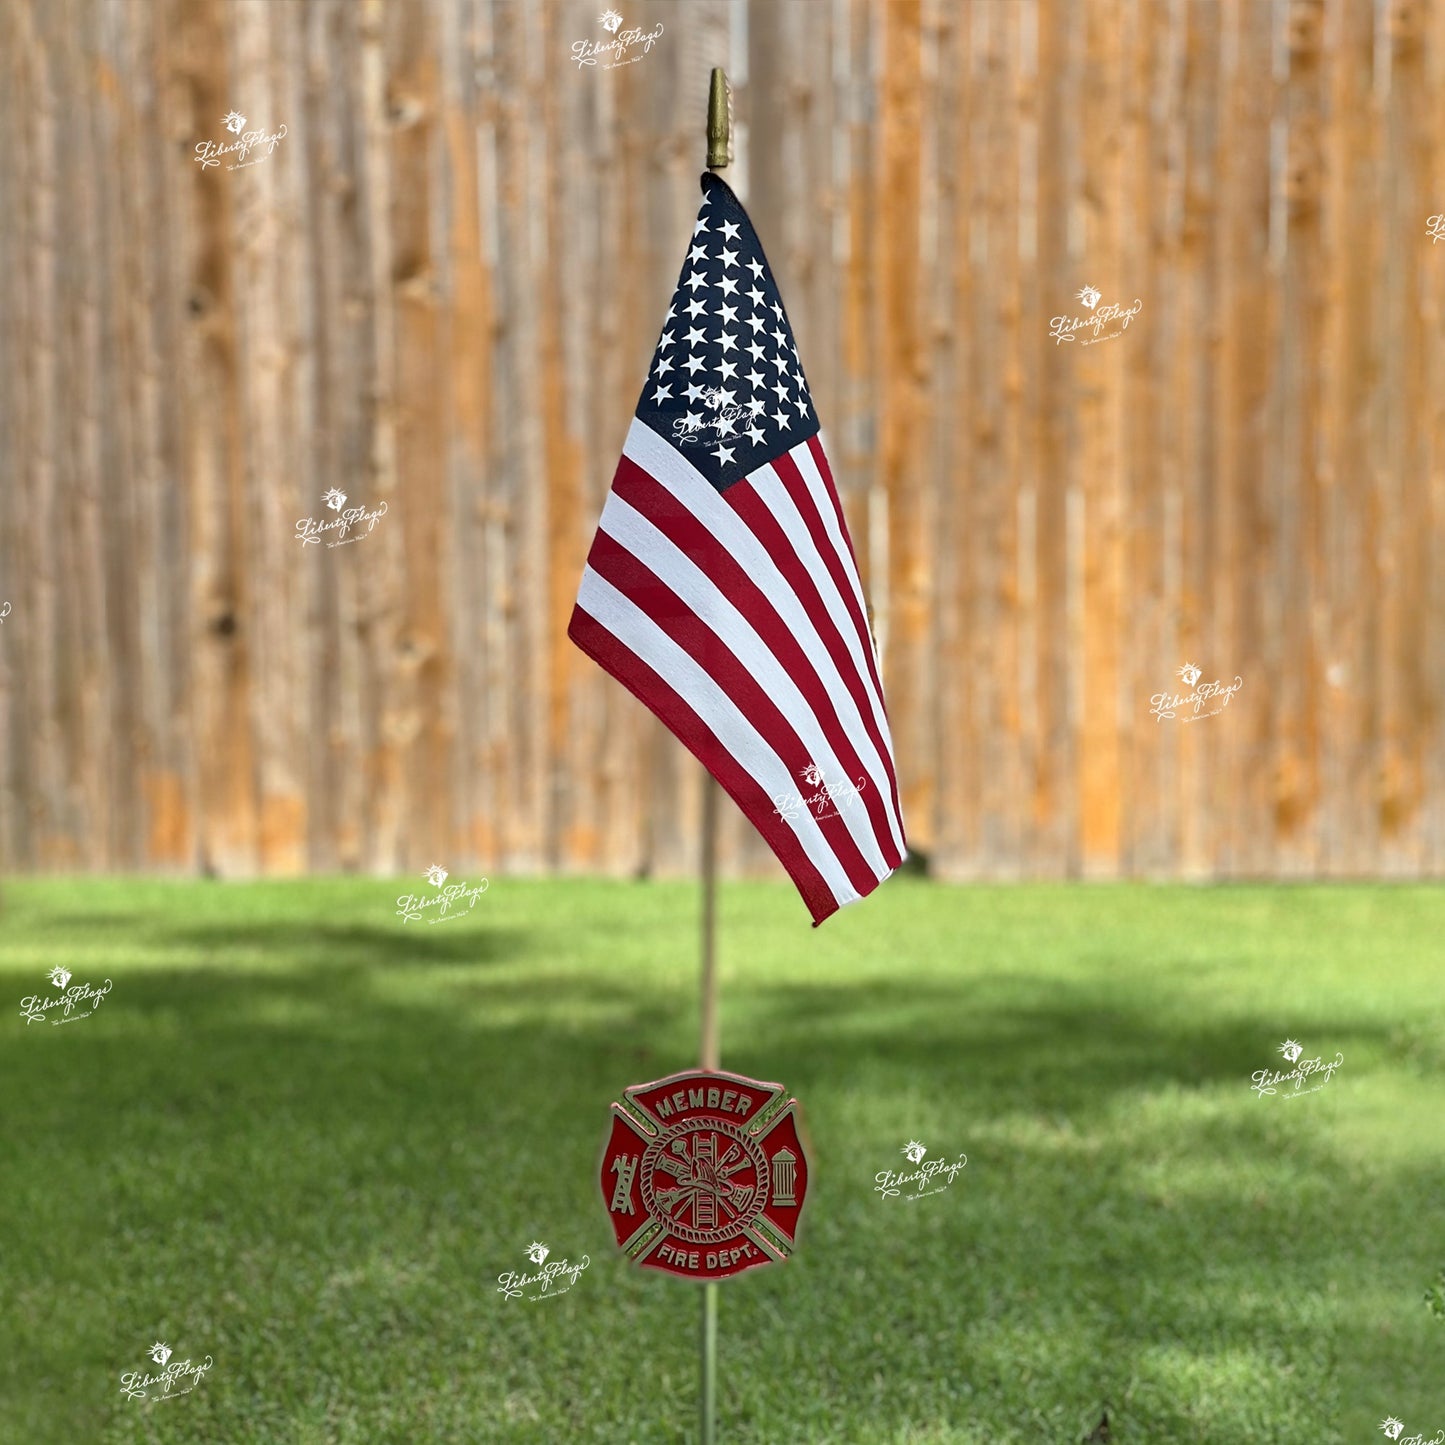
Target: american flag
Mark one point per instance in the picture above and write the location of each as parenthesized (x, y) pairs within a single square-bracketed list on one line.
[(722, 589)]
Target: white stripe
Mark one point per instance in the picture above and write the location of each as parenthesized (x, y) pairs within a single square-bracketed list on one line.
[(822, 499), (812, 476), (632, 530), (769, 487), (632, 627), (671, 470)]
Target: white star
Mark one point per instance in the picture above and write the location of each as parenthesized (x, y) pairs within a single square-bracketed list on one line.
[(756, 270), (781, 362), (667, 340), (728, 369), (756, 404), (756, 322), (782, 392), (725, 426), (755, 349), (698, 253), (691, 420), (695, 308), (694, 280), (725, 396), (694, 391), (754, 435), (802, 407), (780, 336), (663, 393), (729, 258), (727, 341), (755, 377), (724, 454), (730, 231), (693, 365), (755, 296), (729, 286), (696, 336), (776, 310), (781, 417), (729, 314), (701, 226), (664, 365)]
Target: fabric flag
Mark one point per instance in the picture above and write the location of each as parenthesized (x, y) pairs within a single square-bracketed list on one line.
[(722, 588)]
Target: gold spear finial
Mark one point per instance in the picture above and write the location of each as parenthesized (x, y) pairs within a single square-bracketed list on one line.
[(719, 121)]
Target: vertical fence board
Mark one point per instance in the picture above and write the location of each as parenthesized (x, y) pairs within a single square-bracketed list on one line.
[(1410, 129), (1101, 366), (1058, 259), (901, 454), (1432, 659)]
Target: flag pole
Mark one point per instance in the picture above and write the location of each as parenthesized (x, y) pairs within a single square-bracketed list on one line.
[(719, 153), (710, 1059)]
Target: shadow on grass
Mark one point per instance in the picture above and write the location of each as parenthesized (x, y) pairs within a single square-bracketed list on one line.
[(360, 1157)]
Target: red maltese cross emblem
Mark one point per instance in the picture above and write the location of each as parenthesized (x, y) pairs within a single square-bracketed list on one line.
[(704, 1174)]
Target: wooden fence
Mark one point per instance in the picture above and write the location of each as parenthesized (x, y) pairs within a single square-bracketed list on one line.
[(441, 289)]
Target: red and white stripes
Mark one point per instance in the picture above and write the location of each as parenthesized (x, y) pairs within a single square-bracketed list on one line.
[(738, 618)]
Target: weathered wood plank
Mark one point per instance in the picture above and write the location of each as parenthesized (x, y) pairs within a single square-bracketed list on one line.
[(1294, 673), (213, 460), (903, 403), (1410, 135), (1432, 659), (1251, 313), (1349, 819), (1056, 657), (1100, 407)]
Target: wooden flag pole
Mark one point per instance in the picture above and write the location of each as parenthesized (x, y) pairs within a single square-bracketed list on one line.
[(710, 1059), (711, 1050), (719, 153)]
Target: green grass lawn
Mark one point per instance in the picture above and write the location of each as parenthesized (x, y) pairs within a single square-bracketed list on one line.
[(305, 1140)]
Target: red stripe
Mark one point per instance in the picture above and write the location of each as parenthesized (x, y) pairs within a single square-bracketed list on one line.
[(860, 621), (796, 487), (660, 698), (756, 515), (634, 579), (700, 544)]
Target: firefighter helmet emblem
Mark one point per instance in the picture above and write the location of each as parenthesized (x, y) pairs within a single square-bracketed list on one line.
[(704, 1174)]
